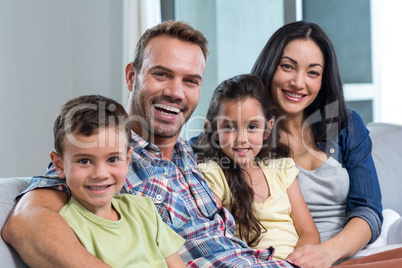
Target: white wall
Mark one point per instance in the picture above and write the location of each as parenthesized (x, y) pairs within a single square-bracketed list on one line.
[(51, 51), (237, 30), (390, 55)]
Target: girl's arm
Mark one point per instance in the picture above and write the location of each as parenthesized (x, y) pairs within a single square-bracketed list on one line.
[(218, 200), (304, 223), (174, 261)]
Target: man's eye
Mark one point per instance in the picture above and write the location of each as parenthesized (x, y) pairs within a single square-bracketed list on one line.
[(192, 81)]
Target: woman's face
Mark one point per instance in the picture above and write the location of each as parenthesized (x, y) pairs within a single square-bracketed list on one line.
[(297, 79)]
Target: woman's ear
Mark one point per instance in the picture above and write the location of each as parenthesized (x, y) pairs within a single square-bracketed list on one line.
[(58, 164)]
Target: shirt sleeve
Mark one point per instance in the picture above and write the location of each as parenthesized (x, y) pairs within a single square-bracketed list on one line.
[(48, 180), (216, 180), (364, 198), (286, 170)]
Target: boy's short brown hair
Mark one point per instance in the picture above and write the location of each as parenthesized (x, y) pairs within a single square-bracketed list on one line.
[(87, 114)]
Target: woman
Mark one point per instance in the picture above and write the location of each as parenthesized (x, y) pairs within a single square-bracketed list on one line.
[(330, 143)]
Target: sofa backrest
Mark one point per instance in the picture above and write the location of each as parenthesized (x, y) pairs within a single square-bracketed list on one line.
[(10, 188), (387, 155)]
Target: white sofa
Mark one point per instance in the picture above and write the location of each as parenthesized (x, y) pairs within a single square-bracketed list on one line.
[(387, 153)]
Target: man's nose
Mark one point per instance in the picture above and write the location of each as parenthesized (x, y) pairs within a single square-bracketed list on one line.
[(175, 89)]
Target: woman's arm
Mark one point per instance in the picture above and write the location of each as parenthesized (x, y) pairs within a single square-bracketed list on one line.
[(41, 236), (304, 223), (354, 236), (174, 261)]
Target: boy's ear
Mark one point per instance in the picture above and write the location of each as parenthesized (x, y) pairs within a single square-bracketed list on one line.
[(130, 151), (58, 164), (269, 128)]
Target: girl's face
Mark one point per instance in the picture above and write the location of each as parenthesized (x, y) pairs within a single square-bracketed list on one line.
[(241, 130), (297, 79)]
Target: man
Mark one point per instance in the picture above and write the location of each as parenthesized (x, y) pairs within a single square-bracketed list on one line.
[(164, 82)]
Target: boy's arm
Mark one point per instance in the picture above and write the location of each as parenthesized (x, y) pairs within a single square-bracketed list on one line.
[(41, 236), (174, 261), (304, 223)]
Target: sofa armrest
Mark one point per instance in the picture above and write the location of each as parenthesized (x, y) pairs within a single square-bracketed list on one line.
[(9, 189)]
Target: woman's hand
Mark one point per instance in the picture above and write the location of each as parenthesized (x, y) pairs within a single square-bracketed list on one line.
[(353, 237)]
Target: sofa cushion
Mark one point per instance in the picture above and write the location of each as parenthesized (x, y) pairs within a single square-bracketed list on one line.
[(9, 188), (387, 155)]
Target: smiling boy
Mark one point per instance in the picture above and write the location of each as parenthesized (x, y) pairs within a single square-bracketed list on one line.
[(92, 137)]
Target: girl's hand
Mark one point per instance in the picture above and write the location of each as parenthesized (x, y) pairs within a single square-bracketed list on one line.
[(308, 256)]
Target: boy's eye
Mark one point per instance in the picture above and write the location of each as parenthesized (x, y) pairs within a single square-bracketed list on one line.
[(84, 161), (113, 159)]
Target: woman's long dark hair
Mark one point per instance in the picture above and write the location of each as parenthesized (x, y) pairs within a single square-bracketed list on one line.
[(239, 88), (329, 103)]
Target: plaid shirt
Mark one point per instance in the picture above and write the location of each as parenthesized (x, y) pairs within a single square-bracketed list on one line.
[(186, 204)]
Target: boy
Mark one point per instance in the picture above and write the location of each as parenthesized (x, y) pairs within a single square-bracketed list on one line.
[(92, 136)]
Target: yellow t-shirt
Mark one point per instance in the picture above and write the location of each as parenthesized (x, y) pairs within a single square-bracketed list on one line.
[(139, 239), (274, 212)]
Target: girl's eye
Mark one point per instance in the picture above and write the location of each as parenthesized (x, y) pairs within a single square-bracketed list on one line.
[(84, 161), (252, 127), (229, 127)]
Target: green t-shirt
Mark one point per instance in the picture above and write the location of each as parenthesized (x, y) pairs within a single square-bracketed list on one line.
[(139, 239)]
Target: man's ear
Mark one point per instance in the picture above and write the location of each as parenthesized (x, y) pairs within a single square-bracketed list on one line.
[(130, 76), (268, 131), (58, 164)]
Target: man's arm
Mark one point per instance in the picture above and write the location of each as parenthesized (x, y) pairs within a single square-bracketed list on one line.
[(41, 236)]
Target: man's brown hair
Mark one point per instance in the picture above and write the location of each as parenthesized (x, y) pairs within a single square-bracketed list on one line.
[(174, 29)]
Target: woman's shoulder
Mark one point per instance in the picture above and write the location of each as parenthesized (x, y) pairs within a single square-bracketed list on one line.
[(355, 122)]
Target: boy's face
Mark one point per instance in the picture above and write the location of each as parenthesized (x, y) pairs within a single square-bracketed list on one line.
[(95, 167)]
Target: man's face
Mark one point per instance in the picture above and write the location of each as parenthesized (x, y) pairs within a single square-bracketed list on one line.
[(166, 90)]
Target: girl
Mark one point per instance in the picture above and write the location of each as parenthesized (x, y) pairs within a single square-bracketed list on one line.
[(261, 192)]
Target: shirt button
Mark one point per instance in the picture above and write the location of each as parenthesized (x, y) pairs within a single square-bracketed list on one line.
[(332, 150), (159, 197)]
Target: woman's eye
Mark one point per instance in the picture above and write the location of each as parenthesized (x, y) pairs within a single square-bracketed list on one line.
[(314, 73), (286, 66)]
